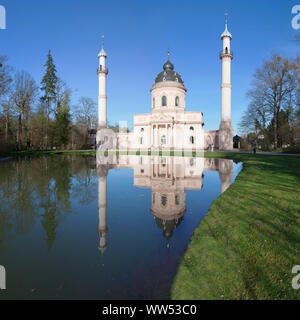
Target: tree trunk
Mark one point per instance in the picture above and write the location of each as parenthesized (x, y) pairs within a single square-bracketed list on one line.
[(6, 127), (19, 131), (275, 134), (27, 131), (47, 123)]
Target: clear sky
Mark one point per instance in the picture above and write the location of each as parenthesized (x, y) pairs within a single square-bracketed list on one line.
[(137, 34)]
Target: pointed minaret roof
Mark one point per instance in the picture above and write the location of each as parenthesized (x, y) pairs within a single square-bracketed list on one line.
[(102, 52), (226, 33)]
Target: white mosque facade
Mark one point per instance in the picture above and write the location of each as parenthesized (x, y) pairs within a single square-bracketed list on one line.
[(169, 126)]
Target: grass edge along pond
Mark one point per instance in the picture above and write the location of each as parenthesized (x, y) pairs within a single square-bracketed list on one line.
[(248, 243)]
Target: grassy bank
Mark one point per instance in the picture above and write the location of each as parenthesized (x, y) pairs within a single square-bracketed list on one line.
[(246, 246)]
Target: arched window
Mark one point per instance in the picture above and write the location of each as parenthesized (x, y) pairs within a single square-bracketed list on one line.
[(142, 129), (163, 200), (141, 140), (177, 101), (191, 162), (164, 101), (177, 199), (191, 128), (153, 102), (163, 139), (191, 139), (226, 50)]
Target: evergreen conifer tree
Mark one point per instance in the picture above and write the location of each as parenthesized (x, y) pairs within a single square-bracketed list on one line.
[(49, 87)]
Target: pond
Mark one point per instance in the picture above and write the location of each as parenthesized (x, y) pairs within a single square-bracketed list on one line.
[(84, 227)]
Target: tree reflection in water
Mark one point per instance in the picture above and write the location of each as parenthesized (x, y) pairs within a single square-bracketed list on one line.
[(40, 188)]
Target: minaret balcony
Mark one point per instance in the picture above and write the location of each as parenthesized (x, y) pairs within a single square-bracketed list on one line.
[(224, 53), (102, 70)]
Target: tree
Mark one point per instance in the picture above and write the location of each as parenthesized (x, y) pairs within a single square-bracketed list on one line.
[(116, 128), (255, 118), (85, 117), (5, 76), (274, 89), (273, 86), (62, 112), (63, 119), (22, 97), (7, 108), (38, 125), (5, 84), (85, 112), (297, 97), (48, 83)]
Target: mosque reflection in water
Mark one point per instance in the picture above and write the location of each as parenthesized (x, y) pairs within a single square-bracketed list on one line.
[(168, 178)]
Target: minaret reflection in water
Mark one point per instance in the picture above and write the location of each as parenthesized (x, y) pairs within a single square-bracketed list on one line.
[(168, 177)]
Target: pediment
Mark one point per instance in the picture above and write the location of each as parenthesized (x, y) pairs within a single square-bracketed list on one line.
[(161, 117)]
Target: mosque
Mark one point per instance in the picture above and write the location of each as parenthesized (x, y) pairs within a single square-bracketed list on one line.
[(168, 177), (169, 126)]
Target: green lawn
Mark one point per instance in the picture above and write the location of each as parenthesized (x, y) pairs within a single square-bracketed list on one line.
[(249, 241)]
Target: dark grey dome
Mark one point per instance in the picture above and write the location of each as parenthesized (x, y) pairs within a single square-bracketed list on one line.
[(168, 65), (168, 74)]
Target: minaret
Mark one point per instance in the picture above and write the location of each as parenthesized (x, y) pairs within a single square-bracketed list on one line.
[(102, 211), (225, 168), (102, 98), (226, 55)]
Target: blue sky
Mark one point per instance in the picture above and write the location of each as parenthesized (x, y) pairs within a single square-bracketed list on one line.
[(137, 34)]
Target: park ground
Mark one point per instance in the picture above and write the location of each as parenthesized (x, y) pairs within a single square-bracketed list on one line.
[(248, 243)]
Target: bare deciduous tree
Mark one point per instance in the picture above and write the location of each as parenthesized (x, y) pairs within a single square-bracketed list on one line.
[(273, 89), (22, 97), (5, 76), (5, 84), (85, 112)]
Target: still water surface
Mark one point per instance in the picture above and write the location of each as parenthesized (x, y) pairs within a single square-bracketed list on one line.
[(75, 228)]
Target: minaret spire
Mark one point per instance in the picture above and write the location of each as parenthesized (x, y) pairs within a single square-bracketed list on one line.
[(226, 33), (102, 52)]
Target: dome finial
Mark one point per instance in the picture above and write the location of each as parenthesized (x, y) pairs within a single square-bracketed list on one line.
[(226, 19), (168, 52)]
